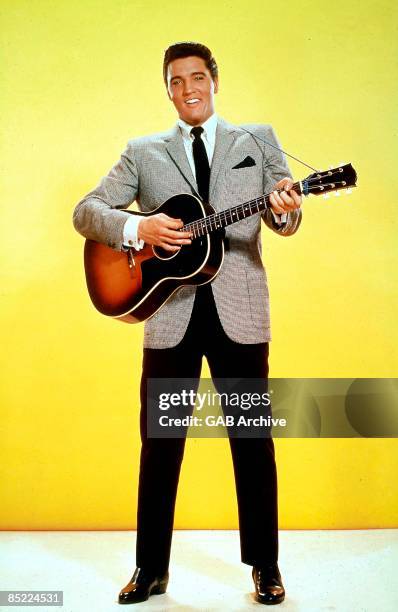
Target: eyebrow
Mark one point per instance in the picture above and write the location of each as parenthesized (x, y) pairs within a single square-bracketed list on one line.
[(177, 76)]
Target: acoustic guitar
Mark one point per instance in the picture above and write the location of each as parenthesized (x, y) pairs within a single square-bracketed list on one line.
[(132, 285)]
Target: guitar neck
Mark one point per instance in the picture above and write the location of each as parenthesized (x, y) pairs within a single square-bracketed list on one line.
[(232, 215), (321, 182)]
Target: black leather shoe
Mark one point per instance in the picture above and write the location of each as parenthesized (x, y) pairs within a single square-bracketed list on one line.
[(268, 584), (142, 585)]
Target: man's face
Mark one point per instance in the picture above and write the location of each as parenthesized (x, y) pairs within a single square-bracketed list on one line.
[(191, 89)]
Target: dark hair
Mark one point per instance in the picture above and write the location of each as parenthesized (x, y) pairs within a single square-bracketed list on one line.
[(186, 49)]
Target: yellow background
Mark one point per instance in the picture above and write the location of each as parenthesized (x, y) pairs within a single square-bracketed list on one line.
[(78, 80)]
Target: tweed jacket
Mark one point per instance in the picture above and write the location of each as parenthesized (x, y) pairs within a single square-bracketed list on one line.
[(154, 168)]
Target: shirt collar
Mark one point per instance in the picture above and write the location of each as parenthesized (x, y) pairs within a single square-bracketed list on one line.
[(209, 129)]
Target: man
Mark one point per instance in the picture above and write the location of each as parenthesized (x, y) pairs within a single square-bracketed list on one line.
[(226, 320)]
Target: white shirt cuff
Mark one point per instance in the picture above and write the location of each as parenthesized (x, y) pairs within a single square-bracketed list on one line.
[(130, 231), (280, 219)]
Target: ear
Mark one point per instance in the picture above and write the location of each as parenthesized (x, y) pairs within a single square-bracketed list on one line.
[(215, 81)]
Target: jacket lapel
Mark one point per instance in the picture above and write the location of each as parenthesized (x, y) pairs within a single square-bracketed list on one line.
[(225, 136), (176, 150)]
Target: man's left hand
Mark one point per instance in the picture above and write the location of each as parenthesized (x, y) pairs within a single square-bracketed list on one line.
[(287, 200)]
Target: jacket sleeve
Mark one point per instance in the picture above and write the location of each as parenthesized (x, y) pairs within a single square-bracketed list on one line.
[(99, 215), (275, 168)]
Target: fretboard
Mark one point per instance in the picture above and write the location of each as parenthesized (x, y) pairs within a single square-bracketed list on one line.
[(217, 221)]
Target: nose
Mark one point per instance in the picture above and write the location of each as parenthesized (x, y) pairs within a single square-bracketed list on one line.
[(188, 87)]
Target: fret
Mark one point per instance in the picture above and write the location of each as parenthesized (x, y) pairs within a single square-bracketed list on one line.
[(313, 184), (231, 215)]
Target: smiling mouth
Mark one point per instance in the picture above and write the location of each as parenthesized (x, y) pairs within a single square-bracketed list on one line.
[(192, 101)]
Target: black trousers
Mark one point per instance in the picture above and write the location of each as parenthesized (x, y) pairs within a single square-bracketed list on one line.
[(160, 461)]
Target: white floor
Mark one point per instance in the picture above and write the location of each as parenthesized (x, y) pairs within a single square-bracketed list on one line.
[(353, 571)]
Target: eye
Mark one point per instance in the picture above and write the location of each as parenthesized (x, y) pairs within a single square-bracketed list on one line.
[(199, 77)]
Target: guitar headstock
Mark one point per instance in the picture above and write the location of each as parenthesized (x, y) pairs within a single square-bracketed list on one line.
[(342, 177)]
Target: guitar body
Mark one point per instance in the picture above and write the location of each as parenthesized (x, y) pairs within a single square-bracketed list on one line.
[(132, 287)]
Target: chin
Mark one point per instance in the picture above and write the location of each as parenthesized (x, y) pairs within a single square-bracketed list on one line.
[(194, 119)]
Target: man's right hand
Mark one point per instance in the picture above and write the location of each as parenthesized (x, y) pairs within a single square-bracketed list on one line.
[(162, 231)]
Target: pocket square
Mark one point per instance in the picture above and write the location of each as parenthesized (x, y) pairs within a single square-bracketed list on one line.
[(246, 163)]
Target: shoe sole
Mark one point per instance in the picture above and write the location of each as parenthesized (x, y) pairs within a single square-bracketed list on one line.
[(156, 590), (269, 603)]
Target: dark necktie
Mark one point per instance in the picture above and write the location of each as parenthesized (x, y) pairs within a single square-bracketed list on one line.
[(201, 161)]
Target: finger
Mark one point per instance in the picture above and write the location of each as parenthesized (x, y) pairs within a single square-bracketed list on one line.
[(297, 198), (275, 207), (284, 183), (170, 241), (170, 222), (278, 210), (168, 233), (169, 247), (287, 199), (293, 201), (287, 184), (174, 241), (278, 199)]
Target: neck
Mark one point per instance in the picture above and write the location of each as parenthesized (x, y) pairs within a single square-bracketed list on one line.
[(217, 221)]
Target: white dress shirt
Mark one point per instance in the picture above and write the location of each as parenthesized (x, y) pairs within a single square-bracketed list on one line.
[(130, 229), (208, 136)]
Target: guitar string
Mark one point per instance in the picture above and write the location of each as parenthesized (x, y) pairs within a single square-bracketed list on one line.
[(206, 222), (220, 220), (266, 196)]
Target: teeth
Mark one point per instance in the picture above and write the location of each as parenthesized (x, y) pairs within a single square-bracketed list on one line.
[(192, 101)]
